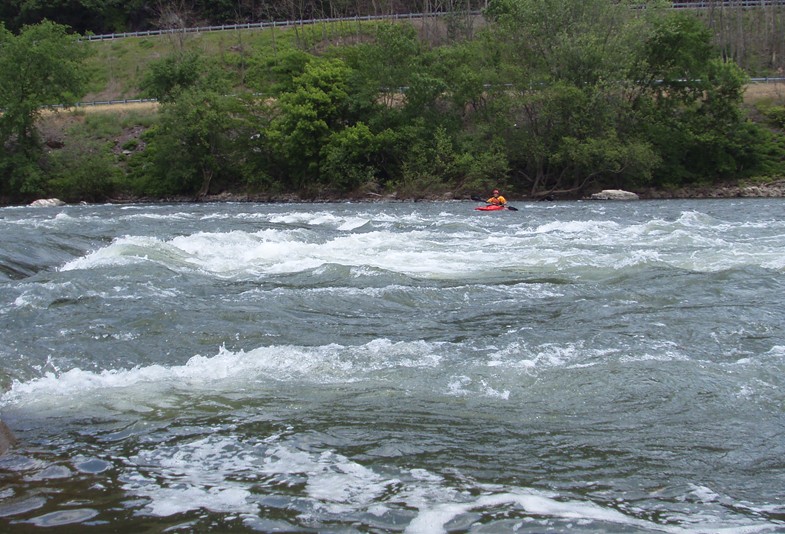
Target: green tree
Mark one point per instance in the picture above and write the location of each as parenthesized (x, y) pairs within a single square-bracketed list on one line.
[(387, 66), (275, 73), (167, 77), (314, 110), (192, 148), (467, 76), (565, 114), (39, 69), (83, 170), (675, 59), (562, 40), (349, 158), (691, 99)]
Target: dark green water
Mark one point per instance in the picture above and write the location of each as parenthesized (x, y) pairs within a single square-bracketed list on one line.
[(417, 367)]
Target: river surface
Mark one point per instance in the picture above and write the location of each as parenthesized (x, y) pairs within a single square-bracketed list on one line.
[(394, 367)]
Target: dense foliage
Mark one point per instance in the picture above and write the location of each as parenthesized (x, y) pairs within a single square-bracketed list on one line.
[(551, 98), (38, 67)]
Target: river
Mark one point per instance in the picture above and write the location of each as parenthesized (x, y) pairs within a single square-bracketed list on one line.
[(394, 367)]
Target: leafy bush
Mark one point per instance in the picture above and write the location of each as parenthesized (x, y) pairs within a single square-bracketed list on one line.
[(774, 114), (83, 170), (131, 144)]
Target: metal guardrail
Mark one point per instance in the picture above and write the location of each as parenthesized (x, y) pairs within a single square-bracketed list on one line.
[(263, 25), (705, 4), (106, 103)]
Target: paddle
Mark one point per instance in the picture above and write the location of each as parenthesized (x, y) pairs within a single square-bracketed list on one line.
[(478, 199)]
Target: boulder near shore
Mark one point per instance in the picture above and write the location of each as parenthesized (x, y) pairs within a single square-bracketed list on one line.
[(614, 194), (7, 438), (47, 203)]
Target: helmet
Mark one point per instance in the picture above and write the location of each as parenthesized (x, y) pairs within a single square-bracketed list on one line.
[(495, 191)]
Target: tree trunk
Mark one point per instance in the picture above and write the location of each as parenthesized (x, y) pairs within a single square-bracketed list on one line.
[(207, 176)]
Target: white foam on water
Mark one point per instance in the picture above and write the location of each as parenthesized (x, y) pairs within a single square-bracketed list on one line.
[(491, 372), (180, 216), (353, 224), (583, 229), (438, 505), (44, 220), (433, 519), (50, 472), (191, 476), (658, 351), (216, 473), (774, 261), (464, 386), (42, 295), (322, 218), (336, 483), (123, 251), (287, 251), (694, 241), (778, 351), (64, 517), (521, 356), (429, 249), (704, 494), (227, 370)]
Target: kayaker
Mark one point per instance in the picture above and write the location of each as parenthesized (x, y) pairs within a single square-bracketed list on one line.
[(497, 199)]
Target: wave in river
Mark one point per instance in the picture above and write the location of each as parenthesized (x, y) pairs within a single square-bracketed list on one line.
[(572, 247)]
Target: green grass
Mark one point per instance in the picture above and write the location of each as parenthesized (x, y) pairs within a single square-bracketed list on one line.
[(117, 68), (107, 125)]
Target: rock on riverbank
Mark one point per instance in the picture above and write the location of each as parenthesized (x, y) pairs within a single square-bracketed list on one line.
[(768, 190), (7, 438), (47, 203), (614, 194)]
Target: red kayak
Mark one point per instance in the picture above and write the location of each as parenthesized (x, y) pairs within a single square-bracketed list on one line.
[(492, 207)]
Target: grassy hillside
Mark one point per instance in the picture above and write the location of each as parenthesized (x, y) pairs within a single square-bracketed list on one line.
[(117, 66)]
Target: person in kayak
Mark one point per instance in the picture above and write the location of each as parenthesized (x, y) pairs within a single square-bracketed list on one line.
[(497, 199)]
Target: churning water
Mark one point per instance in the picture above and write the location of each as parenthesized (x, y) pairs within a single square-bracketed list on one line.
[(414, 367)]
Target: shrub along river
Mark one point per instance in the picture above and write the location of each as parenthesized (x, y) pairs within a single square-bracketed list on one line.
[(417, 367)]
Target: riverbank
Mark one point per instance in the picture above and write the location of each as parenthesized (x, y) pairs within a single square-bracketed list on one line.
[(774, 189)]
